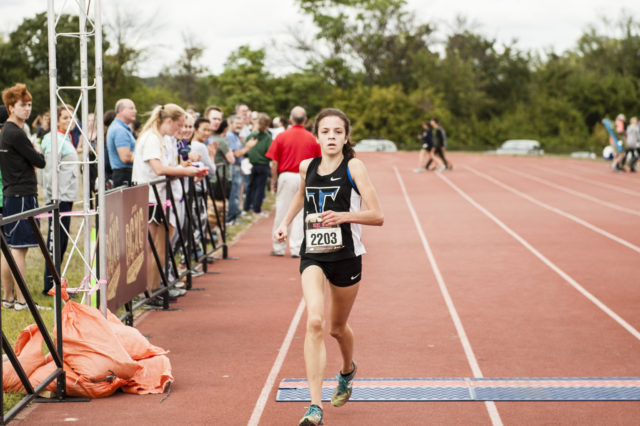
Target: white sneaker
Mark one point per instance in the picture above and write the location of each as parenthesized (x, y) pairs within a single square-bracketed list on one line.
[(8, 304), (177, 292), (442, 168), (22, 306)]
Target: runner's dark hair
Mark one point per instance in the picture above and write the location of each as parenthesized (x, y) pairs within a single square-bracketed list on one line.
[(347, 149)]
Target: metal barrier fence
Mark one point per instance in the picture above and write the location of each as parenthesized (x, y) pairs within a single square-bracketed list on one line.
[(194, 221), (195, 203), (55, 350)]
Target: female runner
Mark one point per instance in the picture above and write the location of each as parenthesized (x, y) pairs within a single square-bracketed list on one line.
[(332, 189)]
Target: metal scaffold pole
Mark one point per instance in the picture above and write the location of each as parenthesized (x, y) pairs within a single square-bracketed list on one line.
[(102, 220), (92, 142)]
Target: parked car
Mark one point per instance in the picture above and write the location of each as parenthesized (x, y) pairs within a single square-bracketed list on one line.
[(520, 147), (374, 145)]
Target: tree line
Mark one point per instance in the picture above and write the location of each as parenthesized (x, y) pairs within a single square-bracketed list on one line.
[(387, 70)]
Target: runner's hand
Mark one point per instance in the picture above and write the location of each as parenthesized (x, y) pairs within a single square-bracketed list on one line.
[(281, 234), (331, 218)]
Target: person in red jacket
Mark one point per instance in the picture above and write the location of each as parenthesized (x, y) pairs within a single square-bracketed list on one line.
[(286, 152)]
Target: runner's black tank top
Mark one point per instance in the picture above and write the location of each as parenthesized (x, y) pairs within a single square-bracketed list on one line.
[(333, 192)]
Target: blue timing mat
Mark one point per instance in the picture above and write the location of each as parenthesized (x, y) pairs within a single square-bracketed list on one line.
[(471, 389)]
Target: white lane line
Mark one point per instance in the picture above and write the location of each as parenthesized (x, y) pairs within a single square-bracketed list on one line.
[(275, 370), (466, 345), (557, 211), (572, 192), (590, 181), (617, 318)]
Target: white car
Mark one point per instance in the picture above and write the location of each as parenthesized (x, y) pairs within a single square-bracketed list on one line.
[(374, 145), (520, 147)]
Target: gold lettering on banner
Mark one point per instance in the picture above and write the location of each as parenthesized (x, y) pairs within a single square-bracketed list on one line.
[(135, 234), (113, 255)]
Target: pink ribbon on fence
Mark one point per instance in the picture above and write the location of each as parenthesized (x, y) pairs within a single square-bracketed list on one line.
[(166, 204), (76, 212), (84, 281)]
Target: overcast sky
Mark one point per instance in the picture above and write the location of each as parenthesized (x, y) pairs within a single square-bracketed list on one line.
[(224, 25)]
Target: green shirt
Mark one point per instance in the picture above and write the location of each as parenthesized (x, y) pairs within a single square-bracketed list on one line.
[(257, 153)]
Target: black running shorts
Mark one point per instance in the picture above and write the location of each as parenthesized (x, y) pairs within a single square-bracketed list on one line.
[(341, 273)]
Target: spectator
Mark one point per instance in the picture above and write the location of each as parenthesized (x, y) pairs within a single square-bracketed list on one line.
[(260, 164), (91, 133), (201, 134), (216, 118), (135, 128), (66, 164), (286, 152), (42, 125), (152, 160), (107, 119), (3, 118), (223, 160), (235, 145), (18, 157), (243, 111), (202, 131), (279, 125), (121, 143)]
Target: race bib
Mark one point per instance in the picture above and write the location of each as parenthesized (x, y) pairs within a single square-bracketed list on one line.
[(321, 239)]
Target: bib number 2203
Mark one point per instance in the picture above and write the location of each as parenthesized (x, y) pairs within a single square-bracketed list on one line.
[(321, 239)]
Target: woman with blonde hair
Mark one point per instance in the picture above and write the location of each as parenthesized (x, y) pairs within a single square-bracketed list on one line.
[(154, 157)]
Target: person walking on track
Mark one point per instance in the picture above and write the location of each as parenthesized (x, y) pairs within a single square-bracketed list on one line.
[(332, 189), (440, 144)]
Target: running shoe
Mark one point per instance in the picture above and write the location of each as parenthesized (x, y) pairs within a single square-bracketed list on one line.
[(177, 292), (313, 416), (342, 393), (22, 306), (8, 304)]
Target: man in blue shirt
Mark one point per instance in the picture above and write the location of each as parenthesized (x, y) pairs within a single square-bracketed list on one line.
[(235, 145), (121, 142)]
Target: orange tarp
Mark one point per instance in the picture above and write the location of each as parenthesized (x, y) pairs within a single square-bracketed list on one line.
[(101, 355)]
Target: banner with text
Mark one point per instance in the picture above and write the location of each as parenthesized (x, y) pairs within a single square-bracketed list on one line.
[(127, 212)]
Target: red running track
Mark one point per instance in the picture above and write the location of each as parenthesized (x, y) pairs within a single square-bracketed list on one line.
[(504, 267)]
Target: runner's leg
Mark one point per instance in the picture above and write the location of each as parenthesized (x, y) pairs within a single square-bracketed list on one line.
[(315, 353), (342, 299)]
